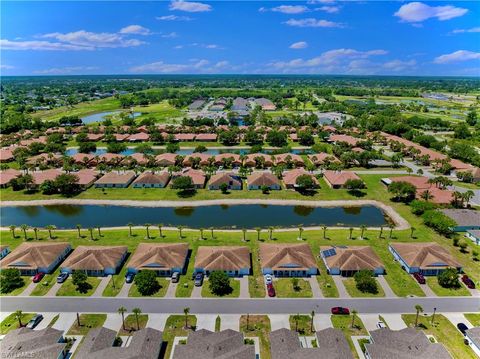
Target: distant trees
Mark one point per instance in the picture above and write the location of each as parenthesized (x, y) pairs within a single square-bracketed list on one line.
[(277, 138)]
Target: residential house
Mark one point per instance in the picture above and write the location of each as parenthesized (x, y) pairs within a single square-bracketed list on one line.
[(184, 137), (233, 260), (32, 258), (4, 250), (206, 137), (94, 137), (287, 260), (320, 159), (233, 181), (110, 158), (198, 177), (163, 258), (223, 159), (288, 159), (7, 176), (115, 180), (473, 337), (6, 154), (466, 219), (258, 160), (138, 158), (95, 261), (422, 184), (258, 180), (150, 179), (166, 159), (203, 158), (348, 260), (86, 177), (139, 137), (349, 140), (265, 104), (290, 178), (338, 179), (240, 104), (196, 105), (85, 159), (39, 177)]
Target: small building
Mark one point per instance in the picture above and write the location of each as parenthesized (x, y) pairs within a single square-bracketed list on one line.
[(348, 260), (166, 159), (163, 258), (240, 104), (349, 140), (6, 154), (427, 258), (94, 137), (257, 180), (338, 179), (474, 236), (233, 181), (184, 137), (290, 177), (466, 219), (4, 250), (137, 158), (86, 177), (84, 159), (99, 344), (46, 343), (408, 343), (233, 260), (7, 176), (204, 344), (287, 260), (115, 180), (198, 177), (473, 337), (150, 179), (32, 258), (196, 105), (110, 158), (95, 261), (331, 344)]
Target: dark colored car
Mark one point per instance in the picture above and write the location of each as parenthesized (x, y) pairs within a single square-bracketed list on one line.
[(271, 290), (62, 277), (34, 321), (419, 277), (340, 310), (38, 277), (198, 279), (175, 277), (468, 281), (462, 327), (129, 277)]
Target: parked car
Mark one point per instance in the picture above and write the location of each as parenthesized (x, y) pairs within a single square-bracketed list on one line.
[(38, 277), (340, 310), (268, 279), (34, 321), (129, 277), (198, 279), (462, 327), (381, 325), (62, 277), (175, 277), (419, 277), (468, 281), (271, 290)]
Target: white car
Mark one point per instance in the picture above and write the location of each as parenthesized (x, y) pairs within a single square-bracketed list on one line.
[(268, 279)]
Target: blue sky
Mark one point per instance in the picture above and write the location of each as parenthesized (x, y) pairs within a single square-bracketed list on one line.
[(312, 37)]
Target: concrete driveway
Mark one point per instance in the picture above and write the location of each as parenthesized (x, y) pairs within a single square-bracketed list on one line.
[(124, 290), (114, 321), (230, 321), (53, 291), (394, 321), (456, 318), (322, 321), (101, 287), (427, 290), (157, 321), (172, 289), (369, 321), (279, 321), (206, 321), (316, 291), (29, 289), (386, 287), (47, 318), (244, 292), (197, 291), (65, 321), (342, 291)]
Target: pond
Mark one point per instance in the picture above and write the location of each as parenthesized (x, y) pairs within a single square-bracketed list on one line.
[(101, 116), (217, 216)]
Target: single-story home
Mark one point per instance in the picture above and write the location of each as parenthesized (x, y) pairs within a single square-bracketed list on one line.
[(233, 260), (260, 160), (86, 177), (110, 158), (473, 337), (166, 159), (39, 177), (138, 157), (150, 179), (348, 260), (265, 104), (349, 140), (466, 219), (85, 159), (474, 236), (224, 158), (290, 177), (322, 158), (95, 136), (203, 159), (95, 261), (139, 137), (115, 180), (287, 260), (7, 176), (163, 258), (286, 158), (206, 137), (427, 258), (32, 258), (257, 180), (233, 181), (6, 154), (4, 250), (338, 179), (198, 176)]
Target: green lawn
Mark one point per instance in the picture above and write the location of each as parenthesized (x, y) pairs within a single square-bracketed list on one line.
[(131, 324), (284, 288), (445, 333), (344, 323), (326, 282), (45, 284), (160, 293), (234, 284), (68, 289), (17, 291), (218, 323), (257, 326), (115, 284), (11, 323), (473, 318), (446, 292), (87, 322), (354, 292), (302, 324), (175, 327)]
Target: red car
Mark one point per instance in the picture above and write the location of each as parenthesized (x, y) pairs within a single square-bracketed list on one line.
[(420, 278), (468, 282), (340, 310), (271, 290), (38, 277)]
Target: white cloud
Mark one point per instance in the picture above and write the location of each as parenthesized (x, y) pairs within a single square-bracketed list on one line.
[(290, 9), (399, 65), (320, 1), (416, 12), (299, 45), (173, 18), (195, 66), (189, 6), (311, 22), (461, 31), (66, 70), (95, 40), (170, 35), (457, 56), (41, 46), (6, 67), (135, 29), (329, 9)]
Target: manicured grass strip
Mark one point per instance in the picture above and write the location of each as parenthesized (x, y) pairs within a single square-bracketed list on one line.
[(326, 282), (351, 288), (444, 332), (131, 324), (446, 292), (45, 284), (234, 284), (115, 284), (68, 289), (87, 322), (11, 323), (302, 324), (344, 323), (53, 321), (257, 326), (218, 323), (284, 288), (160, 293), (473, 318), (175, 327), (256, 286)]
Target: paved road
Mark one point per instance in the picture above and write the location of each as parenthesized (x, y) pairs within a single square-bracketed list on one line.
[(236, 306)]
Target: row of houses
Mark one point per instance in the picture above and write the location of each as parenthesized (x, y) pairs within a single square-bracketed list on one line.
[(280, 260)]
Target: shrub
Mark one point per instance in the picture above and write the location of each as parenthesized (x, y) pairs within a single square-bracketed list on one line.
[(449, 278), (219, 283), (439, 222), (10, 279), (419, 207), (365, 282), (146, 282)]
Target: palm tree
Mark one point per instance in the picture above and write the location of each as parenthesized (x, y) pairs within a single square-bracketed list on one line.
[(99, 233), (12, 229), (354, 315), (324, 232), (351, 230), (211, 232), (122, 311), (78, 230), (363, 227), (201, 233), (259, 230), (391, 226), (412, 229), (296, 317), (91, 233), (50, 228), (381, 232), (24, 228), (35, 231), (467, 196), (137, 312), (418, 309), (300, 231), (160, 225), (147, 226), (311, 323), (130, 225), (270, 231), (186, 311), (19, 316), (180, 228), (244, 231)]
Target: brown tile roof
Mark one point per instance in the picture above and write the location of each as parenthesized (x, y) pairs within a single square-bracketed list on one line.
[(206, 137), (80, 157), (290, 177), (352, 141), (166, 159), (282, 256), (141, 136), (284, 157), (95, 257), (153, 178), (48, 175), (222, 258), (6, 154), (223, 177), (439, 196), (262, 179), (339, 178), (8, 175), (250, 160), (116, 177), (220, 157), (197, 176), (159, 256), (185, 136), (353, 258), (110, 157), (427, 255), (418, 181), (141, 158), (320, 158), (33, 255), (86, 176), (204, 157), (95, 136)]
